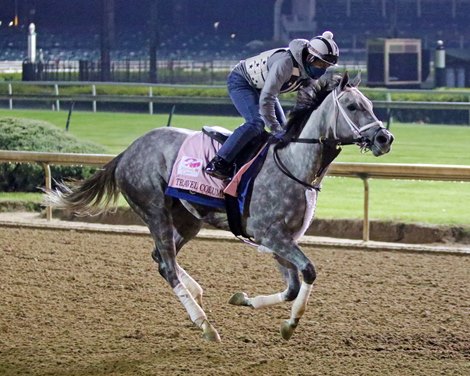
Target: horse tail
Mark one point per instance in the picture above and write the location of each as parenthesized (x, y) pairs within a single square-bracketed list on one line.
[(93, 196)]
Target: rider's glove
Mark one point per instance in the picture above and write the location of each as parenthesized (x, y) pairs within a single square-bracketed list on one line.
[(280, 137)]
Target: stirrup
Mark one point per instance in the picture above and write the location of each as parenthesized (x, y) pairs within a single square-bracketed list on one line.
[(219, 168)]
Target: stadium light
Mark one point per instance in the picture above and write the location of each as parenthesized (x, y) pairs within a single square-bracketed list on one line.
[(16, 19)]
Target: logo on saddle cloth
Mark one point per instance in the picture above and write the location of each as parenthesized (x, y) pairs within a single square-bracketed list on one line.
[(190, 166)]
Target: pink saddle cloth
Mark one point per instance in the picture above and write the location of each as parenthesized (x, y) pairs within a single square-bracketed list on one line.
[(188, 171), (188, 179)]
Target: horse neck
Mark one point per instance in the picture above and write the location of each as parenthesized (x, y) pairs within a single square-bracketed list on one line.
[(304, 160)]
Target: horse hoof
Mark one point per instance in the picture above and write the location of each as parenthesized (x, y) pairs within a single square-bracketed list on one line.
[(240, 299), (287, 329), (210, 334)]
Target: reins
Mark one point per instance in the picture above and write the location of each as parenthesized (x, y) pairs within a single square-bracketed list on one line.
[(330, 144)]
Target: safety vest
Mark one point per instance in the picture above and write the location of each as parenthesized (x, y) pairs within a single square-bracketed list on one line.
[(257, 69)]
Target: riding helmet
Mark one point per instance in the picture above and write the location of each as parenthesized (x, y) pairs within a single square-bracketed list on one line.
[(323, 47)]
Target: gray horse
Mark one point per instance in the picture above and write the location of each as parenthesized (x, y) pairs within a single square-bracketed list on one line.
[(282, 202)]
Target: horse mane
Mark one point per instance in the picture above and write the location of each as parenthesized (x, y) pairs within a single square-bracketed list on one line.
[(309, 98)]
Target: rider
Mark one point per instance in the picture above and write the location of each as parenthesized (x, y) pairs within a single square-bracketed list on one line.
[(254, 85)]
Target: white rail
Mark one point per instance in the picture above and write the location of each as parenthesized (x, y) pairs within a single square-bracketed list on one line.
[(364, 171), (55, 96)]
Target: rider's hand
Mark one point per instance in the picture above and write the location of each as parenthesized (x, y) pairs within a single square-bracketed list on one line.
[(280, 137)]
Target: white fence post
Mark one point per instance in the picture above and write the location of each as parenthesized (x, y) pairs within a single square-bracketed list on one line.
[(48, 181), (57, 102), (366, 221), (151, 100), (469, 112), (10, 93), (389, 110), (93, 92)]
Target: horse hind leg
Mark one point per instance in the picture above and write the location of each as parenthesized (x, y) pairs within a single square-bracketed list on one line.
[(168, 243), (165, 217), (188, 232), (193, 287), (186, 227), (178, 279)]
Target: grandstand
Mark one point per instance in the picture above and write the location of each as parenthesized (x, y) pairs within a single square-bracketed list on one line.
[(187, 30), (354, 21), (82, 43)]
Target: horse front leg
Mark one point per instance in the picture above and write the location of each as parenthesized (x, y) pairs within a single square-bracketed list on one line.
[(298, 309), (291, 276), (306, 267), (290, 252)]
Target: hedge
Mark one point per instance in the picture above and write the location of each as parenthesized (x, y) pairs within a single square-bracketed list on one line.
[(34, 135)]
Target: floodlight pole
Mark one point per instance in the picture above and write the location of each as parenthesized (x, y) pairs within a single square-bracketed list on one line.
[(32, 43), (277, 36), (154, 40), (107, 37)]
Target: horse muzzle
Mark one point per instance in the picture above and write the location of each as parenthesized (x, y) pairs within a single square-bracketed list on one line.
[(381, 142)]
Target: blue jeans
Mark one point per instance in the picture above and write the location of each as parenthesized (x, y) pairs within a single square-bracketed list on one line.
[(246, 101)]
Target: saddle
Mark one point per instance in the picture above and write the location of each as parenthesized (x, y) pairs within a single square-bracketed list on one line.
[(247, 153)]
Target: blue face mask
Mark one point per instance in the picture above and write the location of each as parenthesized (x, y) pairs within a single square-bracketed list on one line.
[(314, 72)]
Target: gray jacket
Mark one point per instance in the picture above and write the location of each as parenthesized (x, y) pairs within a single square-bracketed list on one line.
[(279, 72)]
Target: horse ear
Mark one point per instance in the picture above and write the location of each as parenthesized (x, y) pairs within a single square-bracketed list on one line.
[(356, 80), (344, 80)]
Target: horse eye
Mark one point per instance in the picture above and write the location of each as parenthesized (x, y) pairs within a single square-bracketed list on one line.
[(351, 107)]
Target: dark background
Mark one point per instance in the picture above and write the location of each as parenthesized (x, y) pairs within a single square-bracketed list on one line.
[(247, 18)]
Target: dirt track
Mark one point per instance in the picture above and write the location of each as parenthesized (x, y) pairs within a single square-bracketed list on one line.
[(93, 304)]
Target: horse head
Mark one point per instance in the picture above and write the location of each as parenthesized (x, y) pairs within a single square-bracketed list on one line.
[(355, 119)]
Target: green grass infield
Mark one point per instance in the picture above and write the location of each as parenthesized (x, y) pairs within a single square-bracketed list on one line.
[(430, 202)]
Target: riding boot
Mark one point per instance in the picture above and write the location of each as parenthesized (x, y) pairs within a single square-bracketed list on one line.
[(219, 168)]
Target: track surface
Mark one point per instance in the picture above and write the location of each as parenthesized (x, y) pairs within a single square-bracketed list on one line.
[(79, 303)]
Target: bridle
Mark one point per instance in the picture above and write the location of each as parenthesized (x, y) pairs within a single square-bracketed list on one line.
[(331, 143), (354, 127)]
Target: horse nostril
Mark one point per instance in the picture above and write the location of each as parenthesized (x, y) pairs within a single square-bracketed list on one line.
[(382, 139)]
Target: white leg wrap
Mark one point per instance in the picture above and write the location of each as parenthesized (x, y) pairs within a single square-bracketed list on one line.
[(300, 303), (195, 312), (193, 287), (262, 301)]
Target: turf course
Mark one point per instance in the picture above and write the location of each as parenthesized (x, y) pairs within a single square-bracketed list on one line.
[(407, 201)]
